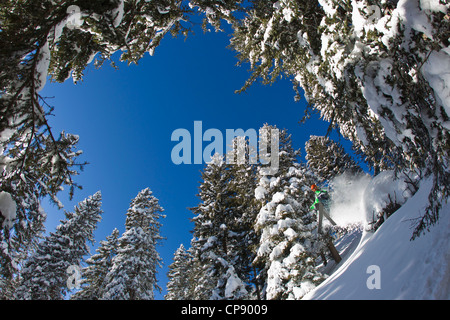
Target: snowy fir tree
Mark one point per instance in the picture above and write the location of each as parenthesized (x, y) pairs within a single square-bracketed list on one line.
[(28, 177), (328, 159), (288, 242), (59, 39), (218, 239), (368, 67), (44, 275), (246, 208), (98, 266), (179, 275), (134, 267), (34, 162)]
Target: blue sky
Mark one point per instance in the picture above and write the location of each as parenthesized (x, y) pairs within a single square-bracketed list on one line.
[(125, 119)]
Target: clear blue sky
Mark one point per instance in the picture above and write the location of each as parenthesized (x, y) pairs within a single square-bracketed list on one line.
[(125, 119)]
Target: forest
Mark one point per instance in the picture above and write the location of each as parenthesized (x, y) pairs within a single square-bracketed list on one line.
[(376, 70)]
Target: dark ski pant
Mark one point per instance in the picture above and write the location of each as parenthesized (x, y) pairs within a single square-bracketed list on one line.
[(323, 213), (331, 247)]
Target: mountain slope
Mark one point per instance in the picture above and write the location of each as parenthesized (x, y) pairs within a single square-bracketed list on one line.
[(416, 269)]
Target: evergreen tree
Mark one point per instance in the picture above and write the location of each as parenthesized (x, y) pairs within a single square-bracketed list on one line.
[(194, 274), (216, 243), (133, 272), (246, 208), (179, 286), (279, 37), (44, 275), (216, 11), (30, 176), (368, 69), (59, 39), (288, 242), (98, 266), (328, 159), (267, 185)]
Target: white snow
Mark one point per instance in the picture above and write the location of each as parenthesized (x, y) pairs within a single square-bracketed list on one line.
[(347, 196), (260, 192), (163, 10), (216, 159), (42, 67), (234, 283), (412, 16), (433, 5), (358, 199), (290, 233), (327, 7), (380, 190), (278, 197), (305, 287), (118, 14), (282, 209), (437, 72), (8, 209), (416, 269)]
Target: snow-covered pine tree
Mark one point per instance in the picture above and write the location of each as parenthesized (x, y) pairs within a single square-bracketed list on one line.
[(327, 158), (289, 240), (134, 268), (245, 208), (287, 157), (57, 38), (217, 10), (179, 286), (44, 275), (279, 37), (98, 266), (216, 243), (199, 286), (288, 243), (369, 68), (264, 183), (29, 176)]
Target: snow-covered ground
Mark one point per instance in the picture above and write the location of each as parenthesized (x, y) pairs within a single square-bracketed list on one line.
[(387, 260)]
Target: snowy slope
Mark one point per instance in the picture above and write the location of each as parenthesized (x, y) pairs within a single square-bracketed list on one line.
[(416, 269)]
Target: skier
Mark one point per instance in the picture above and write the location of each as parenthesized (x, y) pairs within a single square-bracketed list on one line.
[(321, 205)]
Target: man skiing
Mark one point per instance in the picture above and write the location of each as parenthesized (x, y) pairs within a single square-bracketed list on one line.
[(321, 206)]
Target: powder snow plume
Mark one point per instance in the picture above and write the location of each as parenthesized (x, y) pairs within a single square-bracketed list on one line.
[(359, 198), (347, 195)]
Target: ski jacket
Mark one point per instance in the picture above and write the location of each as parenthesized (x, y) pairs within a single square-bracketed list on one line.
[(321, 196)]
